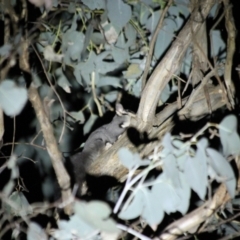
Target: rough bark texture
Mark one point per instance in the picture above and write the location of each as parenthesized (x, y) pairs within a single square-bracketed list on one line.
[(52, 147), (108, 163), (171, 62)]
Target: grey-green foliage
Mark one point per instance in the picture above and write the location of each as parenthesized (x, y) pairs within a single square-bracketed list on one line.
[(89, 219), (17, 205), (12, 97), (184, 168), (35, 232), (229, 137), (14, 203), (120, 44), (123, 42)]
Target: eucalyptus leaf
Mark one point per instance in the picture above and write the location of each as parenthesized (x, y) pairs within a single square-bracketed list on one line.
[(97, 214), (109, 81), (196, 169), (12, 97), (89, 123), (170, 169), (131, 160), (153, 212), (135, 208), (111, 96), (184, 193), (35, 232), (165, 192), (72, 7), (228, 135), (18, 205), (133, 71), (119, 13), (131, 35), (93, 4), (223, 169), (75, 227), (72, 45), (63, 81), (79, 116)]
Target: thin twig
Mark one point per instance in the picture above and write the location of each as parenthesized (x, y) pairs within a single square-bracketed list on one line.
[(30, 144), (95, 95), (133, 232), (14, 132)]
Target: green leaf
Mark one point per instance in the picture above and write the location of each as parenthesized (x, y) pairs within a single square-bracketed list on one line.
[(18, 205), (184, 192), (133, 71), (79, 116), (97, 214), (119, 13), (75, 227), (12, 98), (93, 4), (89, 123), (71, 7), (85, 69), (135, 208), (109, 81), (131, 160), (152, 212), (196, 169), (196, 173), (228, 135), (63, 81), (222, 167), (165, 192), (171, 170), (111, 96), (72, 45), (131, 35), (35, 232)]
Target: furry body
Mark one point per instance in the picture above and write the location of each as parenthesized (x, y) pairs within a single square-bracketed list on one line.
[(98, 141)]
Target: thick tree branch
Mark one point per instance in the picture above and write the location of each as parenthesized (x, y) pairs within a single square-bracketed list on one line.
[(171, 62)]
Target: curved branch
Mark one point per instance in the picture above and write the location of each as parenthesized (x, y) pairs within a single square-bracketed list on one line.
[(171, 62), (192, 220)]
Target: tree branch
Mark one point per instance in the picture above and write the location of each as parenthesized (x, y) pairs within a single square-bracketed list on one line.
[(52, 148), (192, 220), (171, 62), (231, 46)]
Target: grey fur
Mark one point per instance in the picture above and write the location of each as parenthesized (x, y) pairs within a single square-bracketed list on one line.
[(98, 141)]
